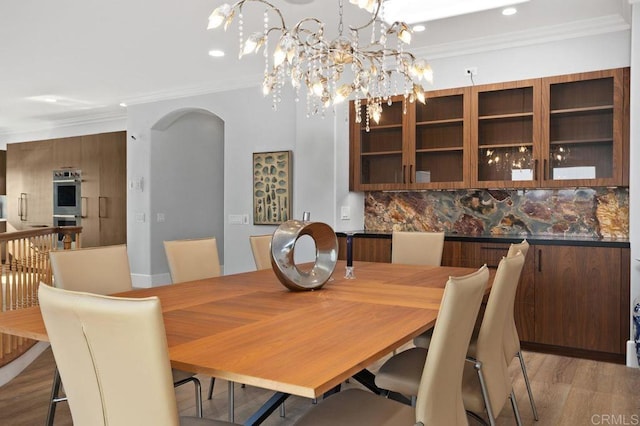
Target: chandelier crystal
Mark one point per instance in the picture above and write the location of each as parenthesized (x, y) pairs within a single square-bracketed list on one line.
[(333, 70)]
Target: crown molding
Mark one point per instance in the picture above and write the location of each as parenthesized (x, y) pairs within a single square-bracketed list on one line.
[(576, 29), (79, 120)]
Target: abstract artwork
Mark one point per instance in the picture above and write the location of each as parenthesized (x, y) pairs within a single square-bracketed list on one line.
[(271, 187)]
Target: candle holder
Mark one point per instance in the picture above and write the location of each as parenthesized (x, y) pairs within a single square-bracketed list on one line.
[(349, 273)]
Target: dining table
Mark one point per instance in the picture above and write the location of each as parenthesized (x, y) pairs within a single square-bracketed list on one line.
[(248, 328)]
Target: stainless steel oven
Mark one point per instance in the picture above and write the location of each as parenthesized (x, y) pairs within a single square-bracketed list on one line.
[(67, 195), (67, 198)]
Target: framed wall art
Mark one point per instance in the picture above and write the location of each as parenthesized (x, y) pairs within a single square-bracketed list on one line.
[(271, 187)]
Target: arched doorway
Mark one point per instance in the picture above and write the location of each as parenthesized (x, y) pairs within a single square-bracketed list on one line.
[(186, 181)]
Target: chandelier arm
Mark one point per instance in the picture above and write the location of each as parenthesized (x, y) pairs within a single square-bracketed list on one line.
[(239, 4)]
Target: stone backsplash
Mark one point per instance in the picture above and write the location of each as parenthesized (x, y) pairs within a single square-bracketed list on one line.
[(582, 212)]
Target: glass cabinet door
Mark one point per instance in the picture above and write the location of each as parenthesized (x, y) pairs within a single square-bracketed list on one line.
[(379, 148), (441, 140), (506, 134), (583, 129)]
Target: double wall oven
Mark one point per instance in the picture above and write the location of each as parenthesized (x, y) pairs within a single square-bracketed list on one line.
[(67, 197)]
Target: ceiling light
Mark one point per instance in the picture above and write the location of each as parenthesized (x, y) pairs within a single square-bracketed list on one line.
[(216, 53), (352, 64), (414, 11), (508, 11), (123, 105), (418, 28), (50, 100)]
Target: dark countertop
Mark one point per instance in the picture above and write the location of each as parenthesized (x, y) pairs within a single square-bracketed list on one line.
[(559, 240)]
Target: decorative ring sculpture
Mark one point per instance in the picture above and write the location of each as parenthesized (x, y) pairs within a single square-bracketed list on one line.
[(283, 246)]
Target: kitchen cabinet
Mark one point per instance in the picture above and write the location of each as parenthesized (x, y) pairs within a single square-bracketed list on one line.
[(29, 187), (414, 146), (102, 160), (3, 173), (379, 151), (579, 299), (505, 134), (104, 189), (583, 129), (562, 131), (571, 299)]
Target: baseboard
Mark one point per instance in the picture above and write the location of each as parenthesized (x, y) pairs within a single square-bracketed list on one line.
[(632, 358), (15, 367)]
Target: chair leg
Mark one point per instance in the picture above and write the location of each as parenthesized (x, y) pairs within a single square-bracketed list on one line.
[(485, 394), (198, 389), (282, 411), (526, 382), (54, 399), (210, 395), (514, 405)]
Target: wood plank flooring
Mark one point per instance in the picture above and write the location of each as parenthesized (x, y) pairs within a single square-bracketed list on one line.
[(568, 391)]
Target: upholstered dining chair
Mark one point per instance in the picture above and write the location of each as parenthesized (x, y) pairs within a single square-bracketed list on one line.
[(486, 383), (261, 249), (192, 259), (100, 270), (417, 248), (439, 400), (112, 355), (511, 337)]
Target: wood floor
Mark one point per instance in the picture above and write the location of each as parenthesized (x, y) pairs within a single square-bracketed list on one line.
[(568, 391)]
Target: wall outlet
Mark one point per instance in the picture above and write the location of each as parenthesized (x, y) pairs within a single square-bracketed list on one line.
[(471, 71), (160, 217)]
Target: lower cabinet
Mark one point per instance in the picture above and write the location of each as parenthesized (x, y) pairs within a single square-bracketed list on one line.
[(571, 300)]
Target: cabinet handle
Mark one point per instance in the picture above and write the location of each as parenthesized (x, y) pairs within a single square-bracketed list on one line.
[(84, 203), (22, 204), (535, 169), (539, 260), (411, 173), (404, 174), (100, 215)]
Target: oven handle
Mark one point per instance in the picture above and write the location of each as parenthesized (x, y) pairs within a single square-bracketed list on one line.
[(66, 216), (66, 181)]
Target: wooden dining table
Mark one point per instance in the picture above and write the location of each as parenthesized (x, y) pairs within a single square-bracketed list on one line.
[(249, 328)]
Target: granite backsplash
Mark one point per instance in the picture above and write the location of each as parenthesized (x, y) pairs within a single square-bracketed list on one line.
[(582, 212)]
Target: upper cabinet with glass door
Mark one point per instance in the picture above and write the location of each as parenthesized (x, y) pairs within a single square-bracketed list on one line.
[(583, 129), (439, 140), (506, 134), (414, 145), (378, 149)]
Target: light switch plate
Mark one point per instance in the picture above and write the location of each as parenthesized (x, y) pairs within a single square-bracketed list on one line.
[(345, 212)]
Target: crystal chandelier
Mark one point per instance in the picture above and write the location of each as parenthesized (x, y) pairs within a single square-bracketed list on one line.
[(333, 69)]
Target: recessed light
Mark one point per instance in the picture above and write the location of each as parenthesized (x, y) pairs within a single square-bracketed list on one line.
[(419, 28), (508, 11), (216, 53), (50, 100), (123, 105)]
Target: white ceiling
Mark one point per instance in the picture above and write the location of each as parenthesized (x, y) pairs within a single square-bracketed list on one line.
[(94, 54)]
